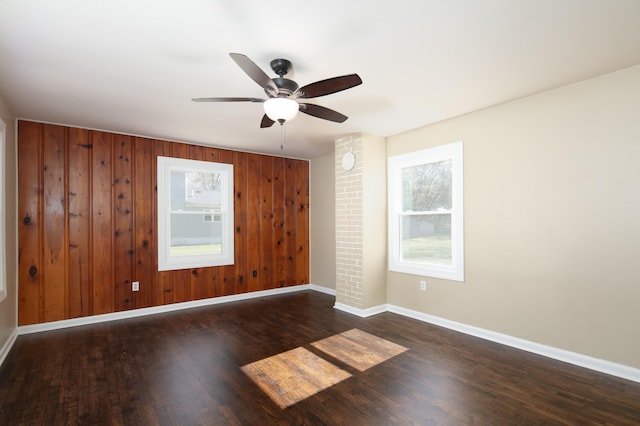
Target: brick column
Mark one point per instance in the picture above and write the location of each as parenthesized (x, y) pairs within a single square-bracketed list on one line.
[(349, 224)]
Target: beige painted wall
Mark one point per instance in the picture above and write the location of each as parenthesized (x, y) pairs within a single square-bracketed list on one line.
[(552, 219), (322, 222), (8, 315), (374, 222)]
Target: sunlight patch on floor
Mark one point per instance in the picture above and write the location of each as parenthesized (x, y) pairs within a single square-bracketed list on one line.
[(358, 349), (292, 376)]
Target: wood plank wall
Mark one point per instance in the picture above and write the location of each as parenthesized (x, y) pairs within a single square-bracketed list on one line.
[(88, 224)]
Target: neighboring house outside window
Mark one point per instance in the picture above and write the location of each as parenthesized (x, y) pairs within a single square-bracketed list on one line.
[(195, 214)]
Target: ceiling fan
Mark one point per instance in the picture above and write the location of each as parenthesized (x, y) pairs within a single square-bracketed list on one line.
[(283, 94)]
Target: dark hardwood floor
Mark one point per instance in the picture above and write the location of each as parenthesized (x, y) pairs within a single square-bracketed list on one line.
[(183, 368)]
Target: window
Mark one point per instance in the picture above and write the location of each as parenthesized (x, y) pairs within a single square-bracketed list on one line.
[(195, 214), (3, 207), (425, 213)]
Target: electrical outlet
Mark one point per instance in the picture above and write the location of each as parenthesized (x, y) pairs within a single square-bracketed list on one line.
[(423, 285), (135, 286)]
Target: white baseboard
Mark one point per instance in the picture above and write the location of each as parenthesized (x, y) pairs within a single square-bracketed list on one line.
[(363, 313), (8, 344), (608, 367), (322, 289), (75, 322)]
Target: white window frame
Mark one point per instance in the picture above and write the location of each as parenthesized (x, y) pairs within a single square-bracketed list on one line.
[(165, 260), (453, 152), (3, 207)]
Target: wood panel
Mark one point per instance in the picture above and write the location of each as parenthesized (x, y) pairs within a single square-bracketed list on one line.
[(79, 193), (253, 221), (301, 217), (241, 240), (102, 240), (289, 223), (144, 207), (30, 227), (266, 223), (55, 221), (88, 224), (123, 221), (279, 236)]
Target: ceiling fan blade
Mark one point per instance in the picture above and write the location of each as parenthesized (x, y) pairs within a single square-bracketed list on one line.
[(255, 72), (322, 112), (328, 86), (266, 122), (227, 100)]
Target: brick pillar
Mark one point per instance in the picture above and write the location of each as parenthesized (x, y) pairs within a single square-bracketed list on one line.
[(361, 230), (349, 261)]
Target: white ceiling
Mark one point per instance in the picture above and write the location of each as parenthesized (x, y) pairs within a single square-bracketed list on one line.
[(132, 66)]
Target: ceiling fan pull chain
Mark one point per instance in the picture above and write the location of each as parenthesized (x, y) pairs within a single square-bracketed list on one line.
[(283, 136)]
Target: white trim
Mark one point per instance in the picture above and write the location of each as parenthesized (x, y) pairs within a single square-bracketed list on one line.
[(4, 351), (3, 207), (362, 313), (608, 367), (16, 249), (55, 325), (321, 289)]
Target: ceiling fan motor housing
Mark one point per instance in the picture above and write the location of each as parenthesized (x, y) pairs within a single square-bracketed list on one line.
[(285, 86)]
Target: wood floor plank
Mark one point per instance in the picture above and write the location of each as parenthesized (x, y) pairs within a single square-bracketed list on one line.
[(184, 368)]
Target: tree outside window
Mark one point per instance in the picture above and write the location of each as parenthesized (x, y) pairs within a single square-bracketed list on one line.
[(425, 212)]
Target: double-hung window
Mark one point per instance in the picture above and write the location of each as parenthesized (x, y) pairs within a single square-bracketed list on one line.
[(426, 212), (195, 214)]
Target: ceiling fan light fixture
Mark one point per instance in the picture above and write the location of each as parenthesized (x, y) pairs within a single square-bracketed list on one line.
[(280, 109), (282, 93)]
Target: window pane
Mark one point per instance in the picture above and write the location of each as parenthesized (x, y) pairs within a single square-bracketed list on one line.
[(195, 214), (426, 239), (194, 196), (191, 235), (195, 191), (426, 216), (427, 187)]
